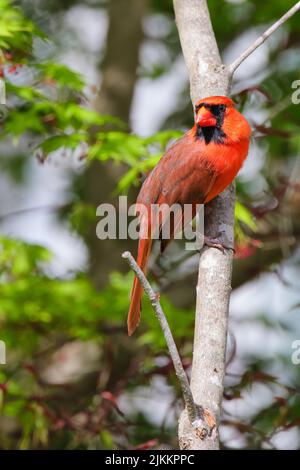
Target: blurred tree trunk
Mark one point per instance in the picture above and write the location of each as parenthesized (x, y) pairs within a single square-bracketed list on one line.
[(119, 73)]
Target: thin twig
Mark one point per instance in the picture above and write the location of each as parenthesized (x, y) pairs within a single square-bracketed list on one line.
[(261, 39), (180, 372)]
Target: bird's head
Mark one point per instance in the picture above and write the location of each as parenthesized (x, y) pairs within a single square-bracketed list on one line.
[(216, 119)]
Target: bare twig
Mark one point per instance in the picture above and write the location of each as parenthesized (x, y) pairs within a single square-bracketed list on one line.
[(180, 372), (26, 210), (261, 39)]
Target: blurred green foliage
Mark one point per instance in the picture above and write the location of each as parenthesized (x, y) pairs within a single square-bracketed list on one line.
[(16, 31)]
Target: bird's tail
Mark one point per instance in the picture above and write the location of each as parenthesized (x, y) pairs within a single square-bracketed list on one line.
[(134, 313)]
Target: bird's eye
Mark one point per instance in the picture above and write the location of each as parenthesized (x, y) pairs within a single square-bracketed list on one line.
[(222, 107)]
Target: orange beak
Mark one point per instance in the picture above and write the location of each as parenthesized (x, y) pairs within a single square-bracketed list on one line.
[(205, 118)]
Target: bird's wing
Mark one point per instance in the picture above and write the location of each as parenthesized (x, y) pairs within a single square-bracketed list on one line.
[(182, 176)]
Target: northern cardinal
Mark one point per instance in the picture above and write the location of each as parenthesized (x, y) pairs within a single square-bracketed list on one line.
[(194, 170)]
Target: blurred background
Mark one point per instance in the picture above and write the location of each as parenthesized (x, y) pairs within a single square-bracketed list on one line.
[(95, 92)]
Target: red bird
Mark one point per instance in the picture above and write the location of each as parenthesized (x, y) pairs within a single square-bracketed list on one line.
[(194, 170)]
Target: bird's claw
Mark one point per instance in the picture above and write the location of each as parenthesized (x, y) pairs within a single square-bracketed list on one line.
[(216, 243)]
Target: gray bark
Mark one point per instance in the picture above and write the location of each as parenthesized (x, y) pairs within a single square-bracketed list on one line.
[(208, 77)]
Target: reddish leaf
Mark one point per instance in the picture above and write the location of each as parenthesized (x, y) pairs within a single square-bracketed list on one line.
[(280, 400), (259, 376), (295, 422), (8, 55), (3, 387), (30, 368), (109, 397), (247, 249), (14, 68)]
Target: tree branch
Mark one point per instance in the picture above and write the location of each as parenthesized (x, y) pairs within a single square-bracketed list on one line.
[(207, 75), (261, 39), (180, 372)]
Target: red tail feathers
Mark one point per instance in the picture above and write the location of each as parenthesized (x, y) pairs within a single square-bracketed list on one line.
[(134, 313)]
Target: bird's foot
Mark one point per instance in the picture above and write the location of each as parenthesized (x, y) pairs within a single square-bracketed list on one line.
[(216, 243)]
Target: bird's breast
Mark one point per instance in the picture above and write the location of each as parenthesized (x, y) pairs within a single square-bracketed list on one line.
[(225, 162)]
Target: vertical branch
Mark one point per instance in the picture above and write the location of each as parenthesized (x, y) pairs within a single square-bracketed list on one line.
[(211, 323), (208, 76)]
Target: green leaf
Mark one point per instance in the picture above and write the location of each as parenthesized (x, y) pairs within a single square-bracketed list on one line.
[(63, 140)]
